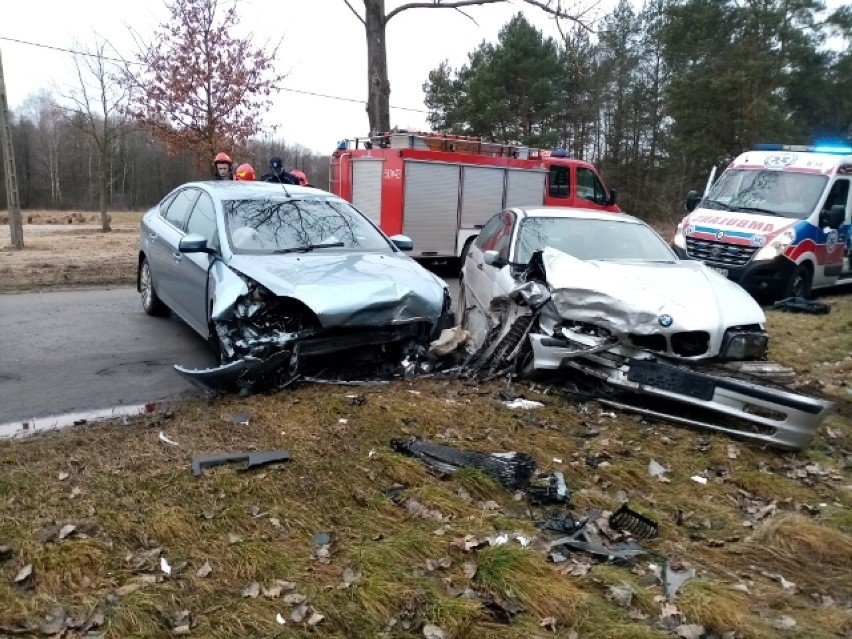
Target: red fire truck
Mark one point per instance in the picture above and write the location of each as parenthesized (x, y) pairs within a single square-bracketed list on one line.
[(440, 189)]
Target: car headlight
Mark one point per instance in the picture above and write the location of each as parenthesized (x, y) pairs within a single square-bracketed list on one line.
[(740, 346), (777, 246)]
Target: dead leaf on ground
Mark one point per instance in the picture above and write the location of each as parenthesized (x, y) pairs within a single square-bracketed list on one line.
[(24, 575), (315, 618), (234, 538), (205, 570), (298, 613), (294, 599), (251, 590), (66, 530), (469, 570), (431, 631)]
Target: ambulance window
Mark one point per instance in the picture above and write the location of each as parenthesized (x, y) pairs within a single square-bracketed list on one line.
[(589, 187), (839, 194), (560, 181)]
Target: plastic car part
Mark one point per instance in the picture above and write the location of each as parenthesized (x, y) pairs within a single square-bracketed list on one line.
[(635, 523), (585, 541), (513, 470), (551, 489), (255, 459)]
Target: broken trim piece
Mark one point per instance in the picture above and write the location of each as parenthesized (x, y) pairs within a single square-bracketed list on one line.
[(255, 459)]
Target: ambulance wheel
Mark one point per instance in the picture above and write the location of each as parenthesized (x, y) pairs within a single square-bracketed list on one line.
[(800, 282)]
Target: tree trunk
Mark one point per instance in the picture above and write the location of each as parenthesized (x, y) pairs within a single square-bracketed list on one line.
[(103, 182), (378, 85)]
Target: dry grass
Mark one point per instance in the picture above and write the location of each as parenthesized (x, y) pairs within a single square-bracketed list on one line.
[(62, 252), (139, 494)]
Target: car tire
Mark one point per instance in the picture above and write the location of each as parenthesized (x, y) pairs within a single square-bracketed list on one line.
[(800, 282), (151, 303)]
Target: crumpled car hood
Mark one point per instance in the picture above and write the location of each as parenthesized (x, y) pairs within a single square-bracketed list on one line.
[(350, 289), (630, 297)]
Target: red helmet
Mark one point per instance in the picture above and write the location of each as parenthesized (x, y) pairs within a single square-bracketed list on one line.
[(222, 158), (303, 179), (244, 172)]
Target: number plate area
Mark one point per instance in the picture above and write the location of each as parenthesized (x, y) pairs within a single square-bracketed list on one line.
[(671, 378)]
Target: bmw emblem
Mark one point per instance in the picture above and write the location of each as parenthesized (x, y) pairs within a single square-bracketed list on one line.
[(720, 235), (665, 320)]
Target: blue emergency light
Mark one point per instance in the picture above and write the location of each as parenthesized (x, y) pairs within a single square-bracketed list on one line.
[(801, 148)]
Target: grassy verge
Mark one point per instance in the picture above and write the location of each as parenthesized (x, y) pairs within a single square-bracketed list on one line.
[(769, 533)]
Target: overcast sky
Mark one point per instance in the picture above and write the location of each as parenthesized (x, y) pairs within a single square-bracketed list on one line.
[(322, 51)]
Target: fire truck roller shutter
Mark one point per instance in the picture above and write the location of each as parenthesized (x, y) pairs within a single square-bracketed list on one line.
[(430, 213), (525, 188), (367, 188), (482, 194)]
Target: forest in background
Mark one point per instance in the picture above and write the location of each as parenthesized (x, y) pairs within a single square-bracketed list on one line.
[(654, 98)]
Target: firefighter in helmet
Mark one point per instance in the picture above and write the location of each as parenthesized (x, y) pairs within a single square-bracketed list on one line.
[(245, 173), (277, 174), (300, 175), (222, 166)]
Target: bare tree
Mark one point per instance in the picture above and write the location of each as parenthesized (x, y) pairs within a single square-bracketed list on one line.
[(96, 102), (375, 21)]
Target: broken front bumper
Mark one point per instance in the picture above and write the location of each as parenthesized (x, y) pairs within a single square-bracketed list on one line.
[(763, 413)]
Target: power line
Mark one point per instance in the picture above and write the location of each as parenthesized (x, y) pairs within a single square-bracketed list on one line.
[(94, 55)]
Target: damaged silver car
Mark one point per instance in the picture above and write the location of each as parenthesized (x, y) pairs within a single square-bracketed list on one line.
[(603, 296), (285, 281)]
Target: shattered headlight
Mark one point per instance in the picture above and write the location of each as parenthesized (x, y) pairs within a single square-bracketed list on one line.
[(742, 345), (776, 247)]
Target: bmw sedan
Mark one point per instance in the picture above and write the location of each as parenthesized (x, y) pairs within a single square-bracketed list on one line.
[(285, 281)]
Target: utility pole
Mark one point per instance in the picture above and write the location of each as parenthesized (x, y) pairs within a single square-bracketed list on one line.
[(16, 229)]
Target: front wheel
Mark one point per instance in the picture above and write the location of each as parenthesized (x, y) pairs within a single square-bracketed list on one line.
[(800, 282), (151, 303)]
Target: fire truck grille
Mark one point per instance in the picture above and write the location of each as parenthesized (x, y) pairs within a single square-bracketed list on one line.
[(719, 252)]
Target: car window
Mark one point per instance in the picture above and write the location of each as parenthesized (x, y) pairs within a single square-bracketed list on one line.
[(591, 239), (164, 204), (180, 207), (559, 181), (488, 232), (500, 234), (278, 224), (202, 220), (589, 187)]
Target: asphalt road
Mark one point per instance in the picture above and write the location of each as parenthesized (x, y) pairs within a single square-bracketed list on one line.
[(85, 351)]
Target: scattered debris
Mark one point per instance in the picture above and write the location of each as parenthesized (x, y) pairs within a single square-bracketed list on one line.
[(255, 459), (240, 419), (431, 631), (525, 404), (321, 539), (165, 439), (165, 567), (181, 622), (252, 590), (621, 594), (513, 470), (699, 479), (672, 576), (784, 623), (25, 577), (548, 489), (635, 523), (655, 469), (279, 619), (788, 586), (54, 621), (448, 341), (690, 631), (800, 305)]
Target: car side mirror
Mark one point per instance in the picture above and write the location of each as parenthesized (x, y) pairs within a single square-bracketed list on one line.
[(611, 197), (194, 243), (833, 218), (692, 200), (402, 242), (492, 258)]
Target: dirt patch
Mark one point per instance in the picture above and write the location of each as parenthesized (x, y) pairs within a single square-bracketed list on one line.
[(66, 255)]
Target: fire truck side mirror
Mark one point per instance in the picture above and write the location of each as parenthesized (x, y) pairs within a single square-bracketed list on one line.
[(612, 196), (692, 200), (402, 242)]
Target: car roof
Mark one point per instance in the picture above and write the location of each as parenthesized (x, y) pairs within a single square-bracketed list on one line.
[(577, 214), (239, 190)]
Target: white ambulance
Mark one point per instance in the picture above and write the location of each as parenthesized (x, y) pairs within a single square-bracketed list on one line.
[(777, 221)]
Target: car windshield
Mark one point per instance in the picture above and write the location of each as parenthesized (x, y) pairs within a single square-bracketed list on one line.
[(278, 225), (591, 239), (784, 193)]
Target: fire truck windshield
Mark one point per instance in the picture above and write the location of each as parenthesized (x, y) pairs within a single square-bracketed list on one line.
[(785, 193)]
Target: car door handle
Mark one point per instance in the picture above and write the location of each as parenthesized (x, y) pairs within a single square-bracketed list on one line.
[(479, 266), (153, 236), (178, 257)]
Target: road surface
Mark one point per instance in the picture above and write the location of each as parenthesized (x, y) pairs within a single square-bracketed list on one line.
[(85, 351)]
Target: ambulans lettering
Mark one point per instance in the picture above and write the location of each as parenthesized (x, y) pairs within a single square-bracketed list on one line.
[(737, 222)]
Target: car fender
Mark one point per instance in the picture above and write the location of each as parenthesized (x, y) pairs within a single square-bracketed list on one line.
[(225, 287)]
